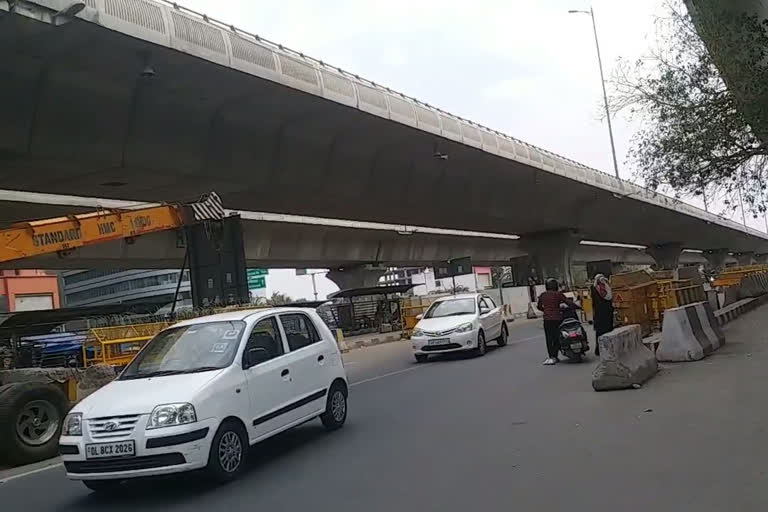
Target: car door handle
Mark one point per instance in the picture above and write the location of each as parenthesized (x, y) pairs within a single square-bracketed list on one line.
[(285, 373)]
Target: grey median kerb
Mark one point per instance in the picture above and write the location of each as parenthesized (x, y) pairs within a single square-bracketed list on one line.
[(352, 343), (7, 474)]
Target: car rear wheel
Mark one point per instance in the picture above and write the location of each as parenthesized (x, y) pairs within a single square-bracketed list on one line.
[(335, 414), (502, 339), (482, 348)]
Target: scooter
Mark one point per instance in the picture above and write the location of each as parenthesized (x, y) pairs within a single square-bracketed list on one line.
[(573, 338)]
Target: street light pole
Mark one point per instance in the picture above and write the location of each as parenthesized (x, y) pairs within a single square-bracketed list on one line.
[(591, 13)]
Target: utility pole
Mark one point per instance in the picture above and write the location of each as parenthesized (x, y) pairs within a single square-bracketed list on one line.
[(591, 13), (303, 272)]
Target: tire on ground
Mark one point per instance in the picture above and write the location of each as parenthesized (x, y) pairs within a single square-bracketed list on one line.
[(502, 339), (215, 468), (15, 397), (334, 419)]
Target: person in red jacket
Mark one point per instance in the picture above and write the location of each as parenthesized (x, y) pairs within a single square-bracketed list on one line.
[(552, 302)]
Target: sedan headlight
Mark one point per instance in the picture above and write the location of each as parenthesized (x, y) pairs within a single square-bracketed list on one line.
[(465, 327), (73, 425), (169, 415), (416, 333)]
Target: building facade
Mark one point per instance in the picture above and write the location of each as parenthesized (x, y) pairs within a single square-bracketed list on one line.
[(28, 290), (97, 287)]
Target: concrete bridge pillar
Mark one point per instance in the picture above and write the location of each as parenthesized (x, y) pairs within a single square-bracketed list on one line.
[(745, 258), (355, 277), (666, 256), (552, 254), (715, 258)]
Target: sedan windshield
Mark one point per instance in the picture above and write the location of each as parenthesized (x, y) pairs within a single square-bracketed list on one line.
[(187, 349), (451, 307)]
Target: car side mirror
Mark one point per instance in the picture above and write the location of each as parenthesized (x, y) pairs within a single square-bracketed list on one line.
[(419, 316), (484, 311), (256, 356)]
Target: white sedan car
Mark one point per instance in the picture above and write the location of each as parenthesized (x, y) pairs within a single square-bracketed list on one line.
[(203, 391), (458, 323)]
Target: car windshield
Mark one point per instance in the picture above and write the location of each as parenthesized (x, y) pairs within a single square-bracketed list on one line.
[(187, 349), (451, 307)]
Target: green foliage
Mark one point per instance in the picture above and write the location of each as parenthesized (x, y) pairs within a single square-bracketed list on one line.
[(695, 137)]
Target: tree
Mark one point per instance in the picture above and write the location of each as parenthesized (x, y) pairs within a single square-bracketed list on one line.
[(279, 299), (695, 138)]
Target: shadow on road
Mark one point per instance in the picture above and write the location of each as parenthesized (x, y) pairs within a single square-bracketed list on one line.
[(175, 490)]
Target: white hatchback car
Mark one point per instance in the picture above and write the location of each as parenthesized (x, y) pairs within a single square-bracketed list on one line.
[(201, 392), (458, 323)]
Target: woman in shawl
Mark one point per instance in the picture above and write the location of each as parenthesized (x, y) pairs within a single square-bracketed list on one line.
[(602, 304)]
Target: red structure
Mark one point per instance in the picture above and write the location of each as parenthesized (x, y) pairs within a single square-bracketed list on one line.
[(28, 290)]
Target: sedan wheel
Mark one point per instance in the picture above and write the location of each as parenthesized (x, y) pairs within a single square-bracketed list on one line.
[(481, 346)]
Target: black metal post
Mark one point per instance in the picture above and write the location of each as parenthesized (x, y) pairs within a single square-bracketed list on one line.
[(181, 278)]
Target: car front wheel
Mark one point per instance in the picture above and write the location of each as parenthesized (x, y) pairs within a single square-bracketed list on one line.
[(228, 450), (481, 345)]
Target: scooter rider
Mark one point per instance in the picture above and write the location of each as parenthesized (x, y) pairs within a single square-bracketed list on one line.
[(551, 303)]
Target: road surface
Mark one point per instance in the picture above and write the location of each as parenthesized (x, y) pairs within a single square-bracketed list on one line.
[(501, 432)]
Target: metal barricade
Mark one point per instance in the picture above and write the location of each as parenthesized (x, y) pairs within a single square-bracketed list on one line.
[(117, 346)]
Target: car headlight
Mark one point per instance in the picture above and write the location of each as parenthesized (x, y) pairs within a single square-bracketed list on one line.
[(73, 425), (416, 333), (169, 415), (564, 334), (465, 327)]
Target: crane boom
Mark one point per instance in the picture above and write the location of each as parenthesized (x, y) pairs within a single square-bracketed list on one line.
[(61, 234)]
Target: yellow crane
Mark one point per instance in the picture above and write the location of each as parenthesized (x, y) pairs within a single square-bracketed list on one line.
[(63, 234)]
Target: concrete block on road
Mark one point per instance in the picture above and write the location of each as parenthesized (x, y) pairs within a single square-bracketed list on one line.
[(689, 333), (533, 311), (624, 361)]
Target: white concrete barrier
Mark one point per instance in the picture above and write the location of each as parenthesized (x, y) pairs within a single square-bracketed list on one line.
[(738, 308), (624, 361), (689, 333)]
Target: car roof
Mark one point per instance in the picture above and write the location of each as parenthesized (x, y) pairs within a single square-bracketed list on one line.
[(241, 314), (459, 296)]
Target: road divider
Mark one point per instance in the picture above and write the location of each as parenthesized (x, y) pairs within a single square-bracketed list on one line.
[(689, 333), (624, 361), (738, 308)]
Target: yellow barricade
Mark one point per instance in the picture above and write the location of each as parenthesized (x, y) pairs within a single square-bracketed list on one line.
[(117, 346)]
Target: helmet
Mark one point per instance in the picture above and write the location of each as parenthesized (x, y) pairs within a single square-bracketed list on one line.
[(551, 285)]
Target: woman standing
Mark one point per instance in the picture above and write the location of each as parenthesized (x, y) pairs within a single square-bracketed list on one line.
[(602, 305)]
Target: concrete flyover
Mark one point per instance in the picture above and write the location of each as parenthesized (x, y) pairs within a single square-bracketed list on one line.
[(144, 100), (282, 240)]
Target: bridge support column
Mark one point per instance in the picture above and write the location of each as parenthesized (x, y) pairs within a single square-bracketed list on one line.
[(666, 256), (744, 258), (715, 258), (355, 277), (552, 254)]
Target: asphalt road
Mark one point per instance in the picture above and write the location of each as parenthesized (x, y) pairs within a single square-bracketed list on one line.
[(500, 432)]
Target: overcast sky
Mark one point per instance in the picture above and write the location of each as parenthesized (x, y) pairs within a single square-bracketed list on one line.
[(525, 68)]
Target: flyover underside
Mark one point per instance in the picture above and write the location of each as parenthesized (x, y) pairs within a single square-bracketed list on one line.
[(82, 120), (284, 245)]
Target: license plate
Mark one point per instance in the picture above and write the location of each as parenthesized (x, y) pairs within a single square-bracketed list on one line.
[(118, 449), (439, 341), (576, 346)]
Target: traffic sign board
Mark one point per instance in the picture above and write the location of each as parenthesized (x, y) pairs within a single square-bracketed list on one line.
[(252, 272), (257, 282)]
